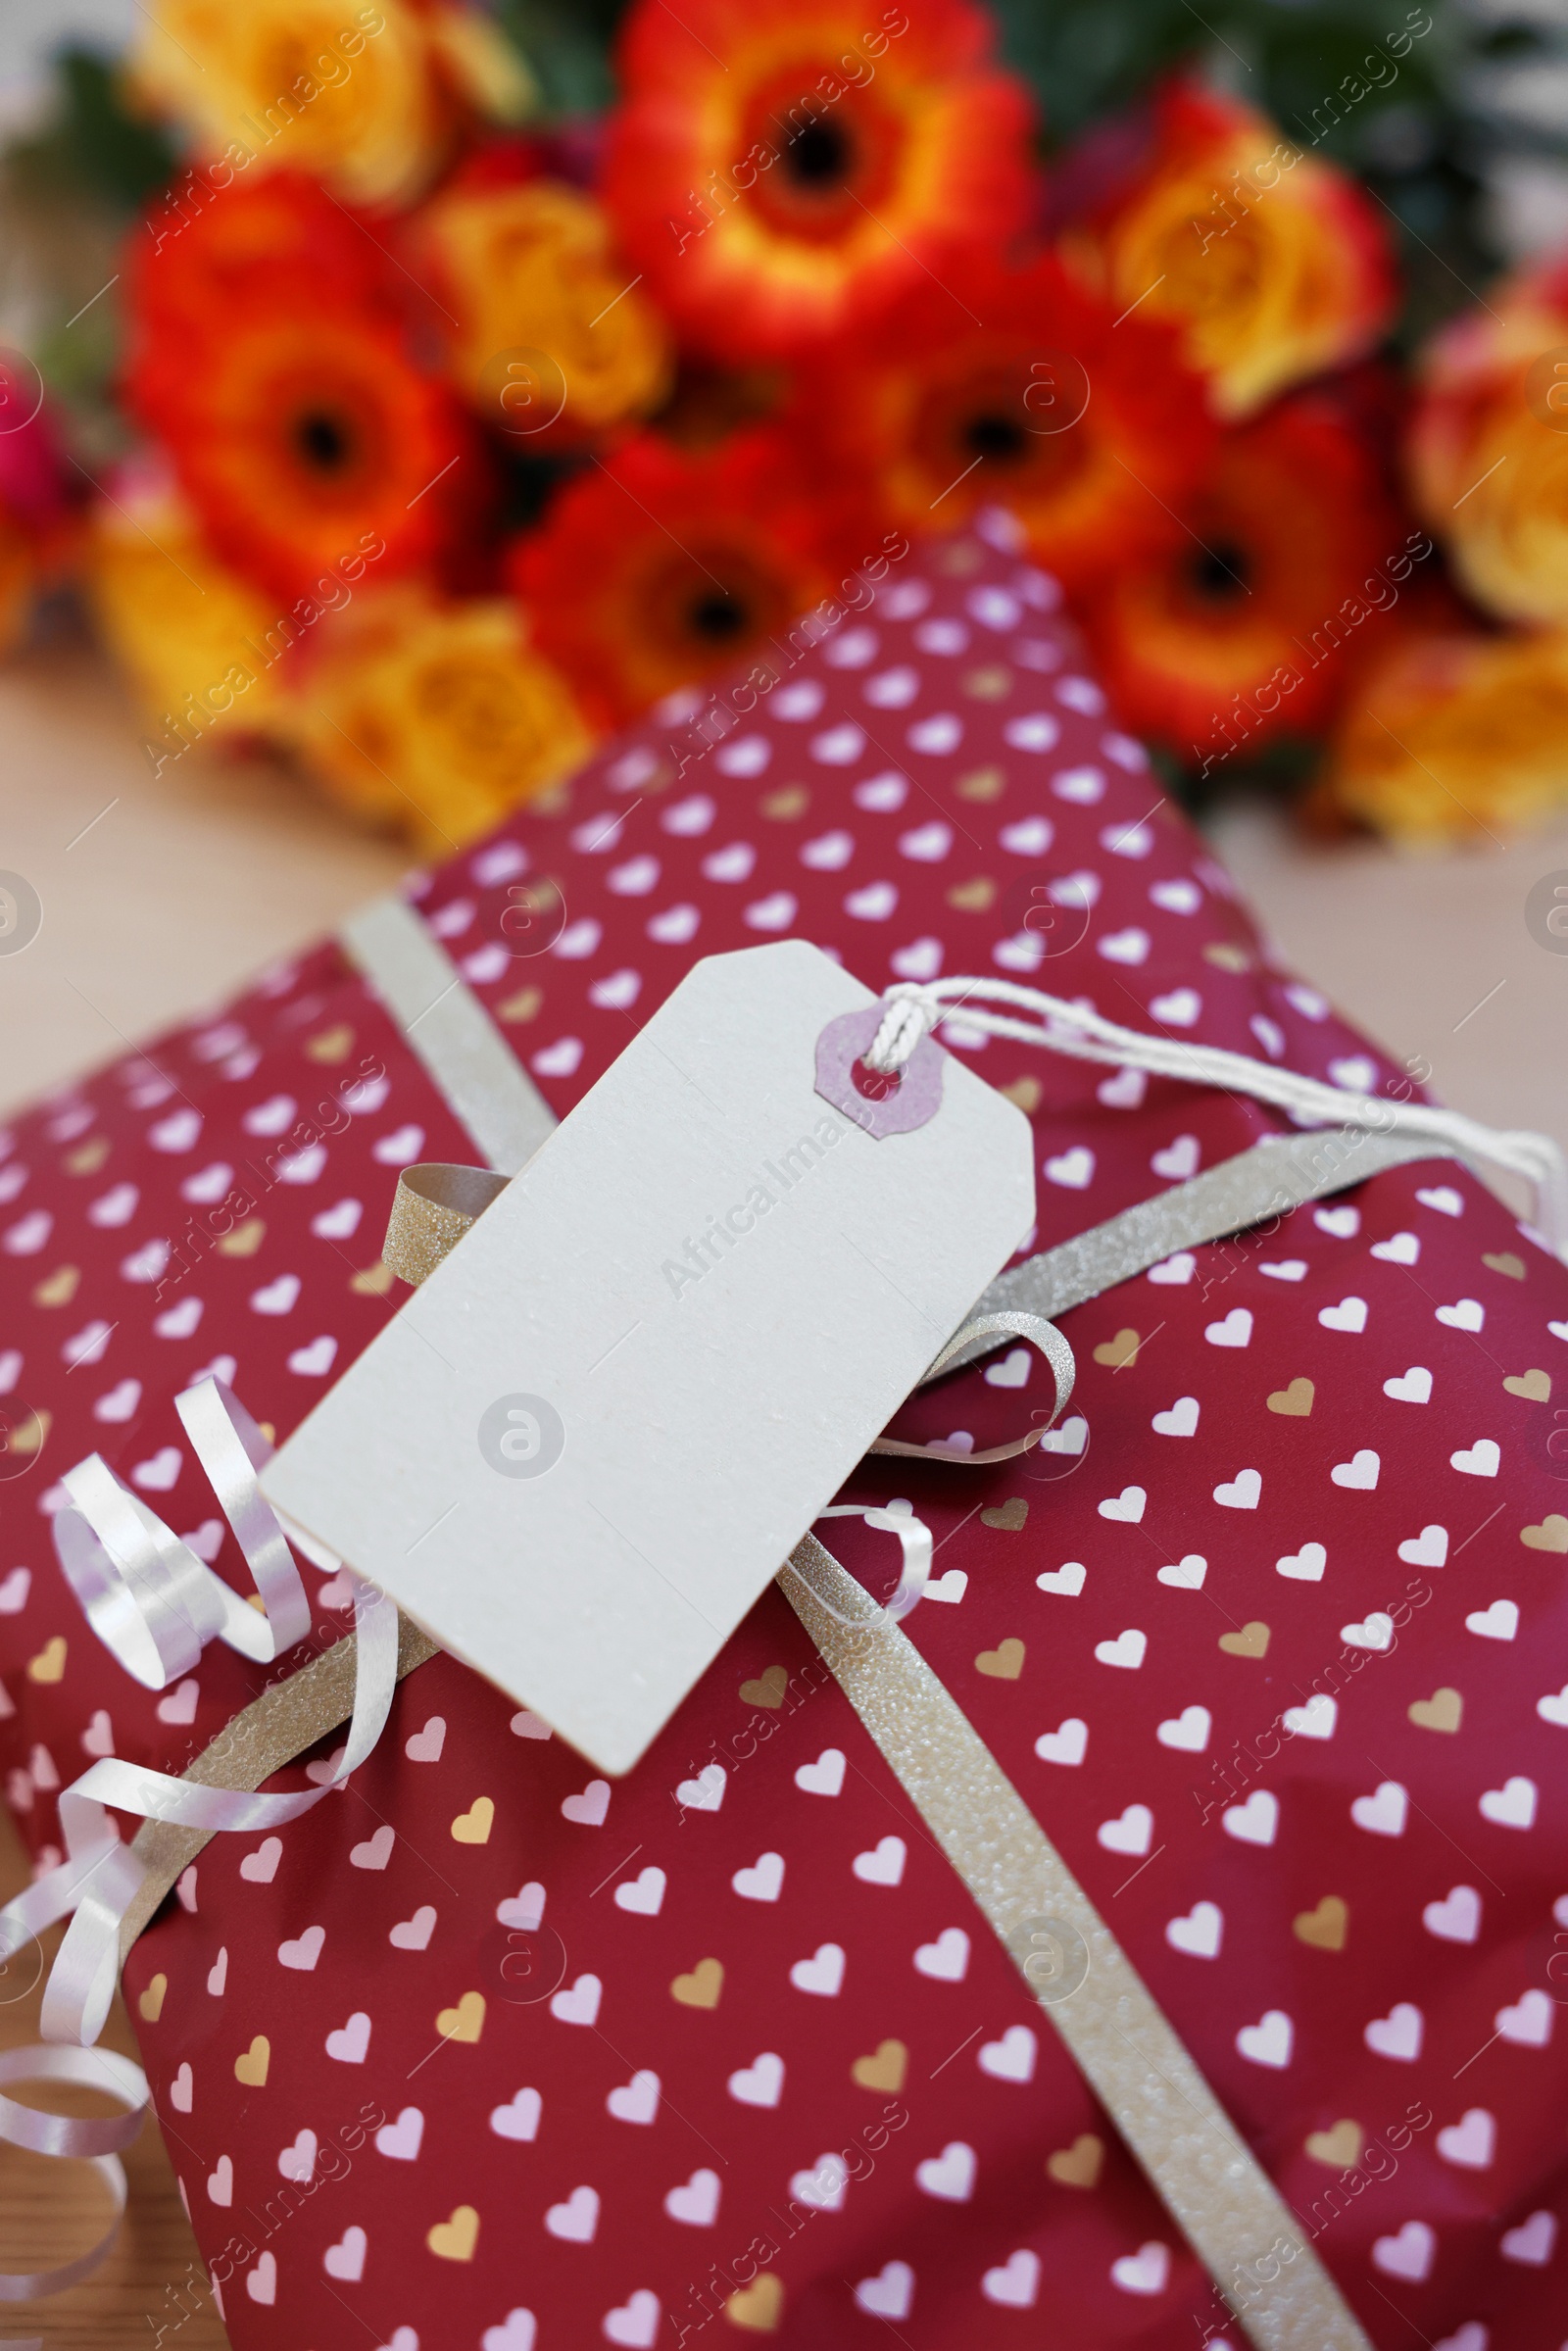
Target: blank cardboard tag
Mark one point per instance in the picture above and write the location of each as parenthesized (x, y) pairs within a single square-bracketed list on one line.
[(591, 1436)]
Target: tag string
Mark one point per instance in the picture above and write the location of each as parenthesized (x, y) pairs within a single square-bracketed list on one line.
[(913, 1007)]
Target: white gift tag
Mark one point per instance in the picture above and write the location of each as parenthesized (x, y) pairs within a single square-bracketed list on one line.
[(591, 1436)]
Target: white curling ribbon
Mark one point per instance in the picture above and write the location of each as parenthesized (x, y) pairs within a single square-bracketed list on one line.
[(95, 2141), (156, 1606), (913, 1006), (914, 1546), (146, 1594), (914, 1536)]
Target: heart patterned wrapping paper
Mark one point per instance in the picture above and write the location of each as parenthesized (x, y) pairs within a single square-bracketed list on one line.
[(487, 2053)]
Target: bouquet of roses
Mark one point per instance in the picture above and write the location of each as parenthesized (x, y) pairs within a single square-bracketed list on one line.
[(465, 426)]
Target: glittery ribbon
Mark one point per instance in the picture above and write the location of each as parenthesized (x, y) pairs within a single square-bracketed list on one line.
[(1209, 2179)]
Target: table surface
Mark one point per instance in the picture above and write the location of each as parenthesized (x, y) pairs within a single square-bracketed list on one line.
[(160, 894)]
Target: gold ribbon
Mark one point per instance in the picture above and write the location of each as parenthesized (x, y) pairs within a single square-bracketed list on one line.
[(264, 1736), (1209, 2179)]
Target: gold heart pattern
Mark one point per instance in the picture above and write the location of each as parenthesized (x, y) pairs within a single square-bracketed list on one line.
[(50, 1663), (1443, 1711), (454, 2239), (1339, 2147), (245, 1240), (464, 2022), (1324, 1928), (1004, 1663), (29, 1432), (1078, 2166), (884, 2068), (332, 1045), (702, 1986), (1295, 1400), (521, 1005), (1119, 1353), (757, 2307), (251, 2065)]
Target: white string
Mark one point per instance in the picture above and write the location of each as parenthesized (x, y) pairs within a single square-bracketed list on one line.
[(913, 1007)]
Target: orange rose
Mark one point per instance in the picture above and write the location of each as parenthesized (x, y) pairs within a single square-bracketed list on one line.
[(1455, 736), (552, 334), (1490, 446), (432, 718), (1272, 262)]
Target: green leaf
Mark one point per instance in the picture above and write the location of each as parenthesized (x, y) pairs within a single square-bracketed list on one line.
[(91, 142)]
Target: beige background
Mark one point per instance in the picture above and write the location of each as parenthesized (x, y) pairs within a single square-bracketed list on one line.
[(162, 893)]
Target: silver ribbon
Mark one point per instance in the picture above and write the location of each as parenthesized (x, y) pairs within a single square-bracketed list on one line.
[(979, 1334)]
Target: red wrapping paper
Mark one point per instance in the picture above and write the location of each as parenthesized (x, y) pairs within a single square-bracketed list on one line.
[(487, 2052)]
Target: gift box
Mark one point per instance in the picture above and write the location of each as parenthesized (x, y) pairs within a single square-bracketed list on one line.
[(1269, 1634)]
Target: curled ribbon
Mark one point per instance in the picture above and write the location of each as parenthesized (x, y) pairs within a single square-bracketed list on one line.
[(979, 1334), (914, 1546), (97, 2140), (156, 1606)]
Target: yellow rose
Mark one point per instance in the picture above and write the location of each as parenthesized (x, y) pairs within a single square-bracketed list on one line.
[(432, 718), (1270, 261), (1490, 446), (196, 643), (1458, 735), (363, 97), (530, 270)]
